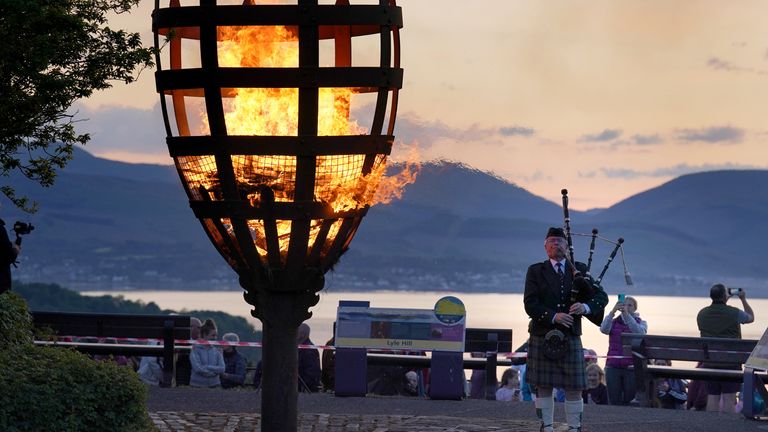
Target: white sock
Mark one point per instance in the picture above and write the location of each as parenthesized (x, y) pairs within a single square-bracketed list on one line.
[(547, 407), (573, 410)]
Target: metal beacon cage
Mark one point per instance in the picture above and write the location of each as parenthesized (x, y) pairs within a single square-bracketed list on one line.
[(280, 133)]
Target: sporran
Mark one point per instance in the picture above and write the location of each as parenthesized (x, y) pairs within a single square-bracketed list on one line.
[(556, 345)]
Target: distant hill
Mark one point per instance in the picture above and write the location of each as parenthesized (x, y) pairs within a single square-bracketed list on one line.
[(108, 224), (470, 193), (680, 237), (707, 222), (85, 163), (111, 224)]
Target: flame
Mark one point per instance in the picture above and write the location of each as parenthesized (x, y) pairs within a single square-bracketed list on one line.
[(392, 187), (274, 112)]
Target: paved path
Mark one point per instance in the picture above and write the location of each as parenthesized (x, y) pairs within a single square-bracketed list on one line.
[(215, 410), (172, 422)]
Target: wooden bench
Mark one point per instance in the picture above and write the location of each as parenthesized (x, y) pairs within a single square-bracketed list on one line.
[(487, 341), (713, 351), (490, 342), (84, 325)]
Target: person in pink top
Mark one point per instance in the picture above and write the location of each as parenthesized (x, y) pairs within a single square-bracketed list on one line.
[(620, 380)]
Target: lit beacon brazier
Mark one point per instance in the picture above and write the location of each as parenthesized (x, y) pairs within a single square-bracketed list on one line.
[(280, 143)]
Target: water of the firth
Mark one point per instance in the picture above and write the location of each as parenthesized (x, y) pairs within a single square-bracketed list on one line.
[(665, 315)]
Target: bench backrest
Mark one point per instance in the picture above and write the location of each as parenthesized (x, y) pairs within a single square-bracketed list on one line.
[(697, 349), (111, 325), (487, 340)]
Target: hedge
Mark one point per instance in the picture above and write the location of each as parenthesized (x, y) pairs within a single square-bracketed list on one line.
[(58, 389), (15, 321)]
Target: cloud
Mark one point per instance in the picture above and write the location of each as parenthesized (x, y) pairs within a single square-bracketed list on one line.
[(587, 174), (412, 128), (718, 64), (618, 144), (724, 65), (124, 130), (646, 139), (637, 140), (673, 171), (537, 176), (718, 134), (516, 130), (712, 135), (138, 135), (605, 135)]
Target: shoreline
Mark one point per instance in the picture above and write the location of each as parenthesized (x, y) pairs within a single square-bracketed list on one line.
[(356, 292)]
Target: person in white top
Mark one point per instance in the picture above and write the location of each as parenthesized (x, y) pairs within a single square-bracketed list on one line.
[(510, 386), (151, 368), (207, 361)]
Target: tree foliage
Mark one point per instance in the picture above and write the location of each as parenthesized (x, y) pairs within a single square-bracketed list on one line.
[(54, 52)]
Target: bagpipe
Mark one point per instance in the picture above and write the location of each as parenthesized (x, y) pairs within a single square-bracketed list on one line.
[(556, 343), (617, 248)]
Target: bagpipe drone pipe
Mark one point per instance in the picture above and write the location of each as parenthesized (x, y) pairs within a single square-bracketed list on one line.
[(617, 249)]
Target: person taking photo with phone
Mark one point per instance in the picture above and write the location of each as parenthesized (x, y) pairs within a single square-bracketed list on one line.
[(723, 321), (619, 379)]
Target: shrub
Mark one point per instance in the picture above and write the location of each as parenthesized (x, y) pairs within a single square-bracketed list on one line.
[(57, 389), (15, 321)]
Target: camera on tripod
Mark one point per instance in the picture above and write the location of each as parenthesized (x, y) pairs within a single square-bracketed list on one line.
[(21, 228)]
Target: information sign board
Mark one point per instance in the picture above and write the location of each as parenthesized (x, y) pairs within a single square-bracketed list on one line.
[(759, 357), (441, 328)]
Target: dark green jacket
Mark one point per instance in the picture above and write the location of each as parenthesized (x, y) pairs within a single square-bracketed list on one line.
[(544, 297), (722, 321), (719, 320)]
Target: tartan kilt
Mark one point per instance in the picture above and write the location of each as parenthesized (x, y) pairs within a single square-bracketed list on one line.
[(567, 373)]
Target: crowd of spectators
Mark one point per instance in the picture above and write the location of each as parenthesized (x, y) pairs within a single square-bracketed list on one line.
[(208, 365)]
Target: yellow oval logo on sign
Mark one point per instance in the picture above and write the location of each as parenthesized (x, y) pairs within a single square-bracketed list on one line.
[(450, 310)]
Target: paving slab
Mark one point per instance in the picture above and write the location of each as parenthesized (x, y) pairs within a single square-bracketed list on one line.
[(192, 409)]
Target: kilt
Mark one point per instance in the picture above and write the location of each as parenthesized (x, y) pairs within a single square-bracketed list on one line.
[(567, 373)]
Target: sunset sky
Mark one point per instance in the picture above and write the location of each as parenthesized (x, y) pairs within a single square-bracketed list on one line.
[(606, 98)]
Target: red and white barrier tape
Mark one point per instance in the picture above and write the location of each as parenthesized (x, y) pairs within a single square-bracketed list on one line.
[(195, 342), (331, 347)]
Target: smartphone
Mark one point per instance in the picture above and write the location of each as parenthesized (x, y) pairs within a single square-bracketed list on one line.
[(621, 298), (734, 291)]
